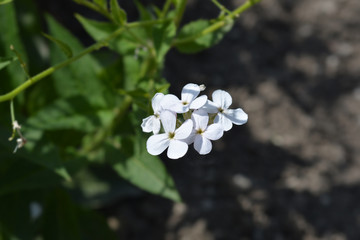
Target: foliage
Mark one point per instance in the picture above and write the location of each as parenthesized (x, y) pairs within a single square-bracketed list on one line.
[(82, 144)]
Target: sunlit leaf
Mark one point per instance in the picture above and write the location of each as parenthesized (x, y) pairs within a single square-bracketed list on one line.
[(74, 113), (80, 77), (141, 169), (5, 1), (192, 38), (118, 14), (125, 43), (96, 29)]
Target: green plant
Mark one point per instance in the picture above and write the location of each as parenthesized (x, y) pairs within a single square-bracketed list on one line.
[(80, 120)]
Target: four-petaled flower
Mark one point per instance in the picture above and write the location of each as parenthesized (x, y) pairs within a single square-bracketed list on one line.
[(221, 101), (200, 121), (152, 123), (188, 100), (202, 133), (173, 139)]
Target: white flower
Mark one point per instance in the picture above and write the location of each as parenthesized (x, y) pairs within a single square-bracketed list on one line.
[(226, 117), (152, 123), (188, 99), (202, 133), (174, 139), (20, 142)]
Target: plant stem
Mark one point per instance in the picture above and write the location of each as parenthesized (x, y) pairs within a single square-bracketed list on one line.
[(88, 50), (215, 26), (180, 12), (103, 133), (165, 8), (12, 113)]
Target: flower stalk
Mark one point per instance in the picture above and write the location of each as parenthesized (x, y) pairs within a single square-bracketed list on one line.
[(92, 48)]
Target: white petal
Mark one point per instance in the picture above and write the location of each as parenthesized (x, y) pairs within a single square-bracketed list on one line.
[(168, 120), (200, 119), (147, 124), (224, 121), (237, 116), (177, 149), (222, 99), (173, 103), (156, 144), (214, 132), (190, 139), (156, 102), (210, 107), (156, 125), (189, 92), (202, 144), (184, 130), (198, 102)]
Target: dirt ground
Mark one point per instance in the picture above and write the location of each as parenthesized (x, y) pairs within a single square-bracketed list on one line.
[(293, 171)]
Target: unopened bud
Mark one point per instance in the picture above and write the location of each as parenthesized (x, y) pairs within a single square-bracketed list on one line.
[(202, 87), (16, 125)]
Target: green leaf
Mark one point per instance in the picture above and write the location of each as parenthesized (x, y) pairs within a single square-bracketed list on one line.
[(124, 44), (145, 15), (15, 217), (18, 175), (101, 3), (94, 226), (37, 150), (74, 113), (97, 30), (118, 14), (63, 46), (142, 169), (99, 185), (163, 36), (5, 1), (60, 220), (80, 77), (63, 219), (4, 61), (13, 74), (188, 44)]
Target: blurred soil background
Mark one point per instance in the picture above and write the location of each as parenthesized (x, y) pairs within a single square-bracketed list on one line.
[(293, 171)]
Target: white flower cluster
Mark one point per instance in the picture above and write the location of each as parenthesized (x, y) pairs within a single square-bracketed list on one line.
[(200, 120)]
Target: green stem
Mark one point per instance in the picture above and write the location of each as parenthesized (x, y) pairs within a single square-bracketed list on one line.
[(103, 133), (12, 113), (221, 7), (88, 50), (165, 8), (142, 42), (180, 12), (215, 26)]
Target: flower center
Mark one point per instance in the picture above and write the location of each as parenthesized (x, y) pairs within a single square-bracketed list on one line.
[(171, 135), (185, 103), (221, 110), (199, 131), (156, 115)]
